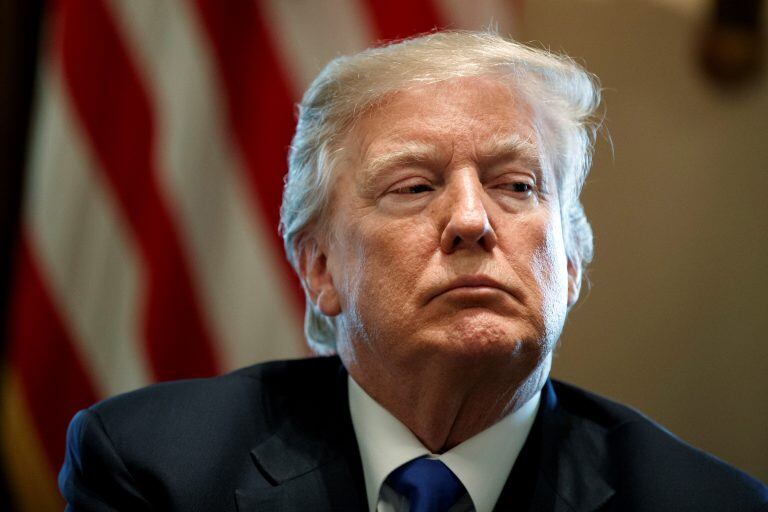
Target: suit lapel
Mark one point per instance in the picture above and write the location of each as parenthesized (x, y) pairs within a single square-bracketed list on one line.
[(561, 466), (311, 461)]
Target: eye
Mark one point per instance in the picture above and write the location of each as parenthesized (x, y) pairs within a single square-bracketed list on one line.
[(522, 187), (518, 187), (407, 195), (417, 188)]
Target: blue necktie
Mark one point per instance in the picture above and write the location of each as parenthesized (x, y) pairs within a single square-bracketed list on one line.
[(428, 485)]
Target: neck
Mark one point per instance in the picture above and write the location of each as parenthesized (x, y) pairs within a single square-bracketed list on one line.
[(444, 403)]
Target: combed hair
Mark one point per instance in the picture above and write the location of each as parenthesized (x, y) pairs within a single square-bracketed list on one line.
[(563, 97)]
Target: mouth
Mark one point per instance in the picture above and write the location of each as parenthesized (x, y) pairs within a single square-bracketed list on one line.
[(473, 285)]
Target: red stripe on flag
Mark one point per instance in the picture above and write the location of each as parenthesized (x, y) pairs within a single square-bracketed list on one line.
[(395, 19), (115, 112), (259, 105), (53, 380)]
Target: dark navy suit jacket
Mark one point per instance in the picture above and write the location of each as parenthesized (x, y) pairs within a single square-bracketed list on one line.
[(278, 436)]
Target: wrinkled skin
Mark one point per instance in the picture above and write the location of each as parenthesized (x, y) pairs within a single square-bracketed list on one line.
[(445, 263)]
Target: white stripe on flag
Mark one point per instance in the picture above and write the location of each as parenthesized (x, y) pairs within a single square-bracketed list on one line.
[(309, 33), (234, 263), (84, 247)]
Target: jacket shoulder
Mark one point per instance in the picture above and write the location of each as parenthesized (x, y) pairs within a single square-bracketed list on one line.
[(165, 439), (212, 398), (650, 465)]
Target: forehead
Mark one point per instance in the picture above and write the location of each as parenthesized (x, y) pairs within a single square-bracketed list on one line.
[(457, 117)]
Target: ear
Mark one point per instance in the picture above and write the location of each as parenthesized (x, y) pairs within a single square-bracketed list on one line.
[(574, 282), (316, 277)]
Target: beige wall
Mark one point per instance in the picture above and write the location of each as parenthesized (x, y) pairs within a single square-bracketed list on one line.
[(676, 323)]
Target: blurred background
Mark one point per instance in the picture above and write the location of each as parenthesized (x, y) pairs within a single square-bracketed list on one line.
[(143, 147)]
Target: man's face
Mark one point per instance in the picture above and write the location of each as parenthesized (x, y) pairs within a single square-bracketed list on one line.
[(445, 233)]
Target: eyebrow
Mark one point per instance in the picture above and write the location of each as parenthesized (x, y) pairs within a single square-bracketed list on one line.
[(506, 147), (406, 153)]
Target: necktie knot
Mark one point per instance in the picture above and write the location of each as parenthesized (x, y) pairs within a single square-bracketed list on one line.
[(428, 485)]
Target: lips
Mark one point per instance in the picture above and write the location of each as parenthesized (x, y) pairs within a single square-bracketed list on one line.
[(472, 281)]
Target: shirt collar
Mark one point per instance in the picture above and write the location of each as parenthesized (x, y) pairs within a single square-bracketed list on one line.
[(482, 462)]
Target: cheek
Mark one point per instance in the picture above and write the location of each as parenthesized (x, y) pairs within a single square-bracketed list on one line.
[(378, 282), (550, 271), (549, 266), (382, 264)]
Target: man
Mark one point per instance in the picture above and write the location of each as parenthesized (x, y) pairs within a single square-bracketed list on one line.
[(431, 210)]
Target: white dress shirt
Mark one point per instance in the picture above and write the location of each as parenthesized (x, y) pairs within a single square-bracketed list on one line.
[(482, 463)]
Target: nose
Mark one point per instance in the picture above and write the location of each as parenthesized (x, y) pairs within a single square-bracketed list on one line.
[(468, 225)]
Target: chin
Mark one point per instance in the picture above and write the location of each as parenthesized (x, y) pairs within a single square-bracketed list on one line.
[(488, 336)]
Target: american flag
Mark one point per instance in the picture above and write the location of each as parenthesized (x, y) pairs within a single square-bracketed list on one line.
[(149, 248)]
